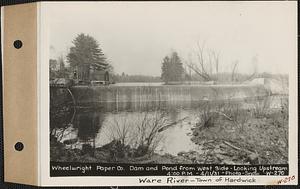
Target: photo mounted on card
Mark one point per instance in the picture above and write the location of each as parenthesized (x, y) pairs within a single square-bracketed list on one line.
[(171, 92), (167, 93)]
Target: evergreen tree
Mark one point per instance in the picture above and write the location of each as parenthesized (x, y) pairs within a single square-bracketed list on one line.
[(86, 52), (172, 68)]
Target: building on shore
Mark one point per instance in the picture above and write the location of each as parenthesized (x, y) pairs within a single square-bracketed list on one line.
[(91, 74)]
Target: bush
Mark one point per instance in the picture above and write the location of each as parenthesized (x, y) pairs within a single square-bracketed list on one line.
[(142, 139), (261, 106), (207, 116)]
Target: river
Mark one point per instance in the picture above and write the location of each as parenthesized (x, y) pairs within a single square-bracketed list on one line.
[(101, 125)]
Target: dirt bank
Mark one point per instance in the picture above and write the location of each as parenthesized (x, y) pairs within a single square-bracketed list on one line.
[(258, 140)]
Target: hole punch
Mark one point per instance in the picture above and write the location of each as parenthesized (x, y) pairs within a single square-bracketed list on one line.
[(18, 44), (19, 146)]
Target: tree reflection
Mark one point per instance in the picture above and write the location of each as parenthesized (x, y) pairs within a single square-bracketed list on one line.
[(88, 123)]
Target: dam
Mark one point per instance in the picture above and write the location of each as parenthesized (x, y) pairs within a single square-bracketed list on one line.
[(140, 97)]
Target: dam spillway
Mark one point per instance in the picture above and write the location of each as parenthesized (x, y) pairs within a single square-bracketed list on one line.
[(135, 97)]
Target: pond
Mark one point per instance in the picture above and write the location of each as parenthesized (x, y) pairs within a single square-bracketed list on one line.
[(101, 125)]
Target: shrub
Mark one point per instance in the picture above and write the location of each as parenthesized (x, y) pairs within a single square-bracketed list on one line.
[(142, 135), (261, 106), (148, 132), (207, 115)]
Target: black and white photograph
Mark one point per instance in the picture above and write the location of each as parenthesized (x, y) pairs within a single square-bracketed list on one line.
[(170, 82), (150, 93)]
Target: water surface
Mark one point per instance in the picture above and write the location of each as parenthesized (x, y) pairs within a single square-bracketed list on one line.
[(98, 127)]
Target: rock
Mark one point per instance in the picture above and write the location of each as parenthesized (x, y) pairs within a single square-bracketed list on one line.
[(252, 158), (228, 162), (70, 141), (221, 157), (181, 153), (219, 151)]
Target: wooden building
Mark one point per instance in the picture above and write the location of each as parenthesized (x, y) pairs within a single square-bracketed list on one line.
[(91, 73)]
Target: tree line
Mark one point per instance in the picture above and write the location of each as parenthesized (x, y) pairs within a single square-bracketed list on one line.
[(85, 53)]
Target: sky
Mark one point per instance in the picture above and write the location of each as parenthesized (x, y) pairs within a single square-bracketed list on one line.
[(136, 36)]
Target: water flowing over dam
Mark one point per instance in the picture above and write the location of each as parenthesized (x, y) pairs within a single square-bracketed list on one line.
[(133, 97)]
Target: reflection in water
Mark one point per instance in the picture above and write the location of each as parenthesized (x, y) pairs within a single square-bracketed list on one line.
[(97, 128), (172, 140), (177, 138), (89, 124)]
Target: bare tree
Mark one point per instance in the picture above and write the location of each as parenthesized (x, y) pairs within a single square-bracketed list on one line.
[(148, 131), (207, 63), (235, 65), (254, 73), (234, 72), (143, 138), (120, 131)]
